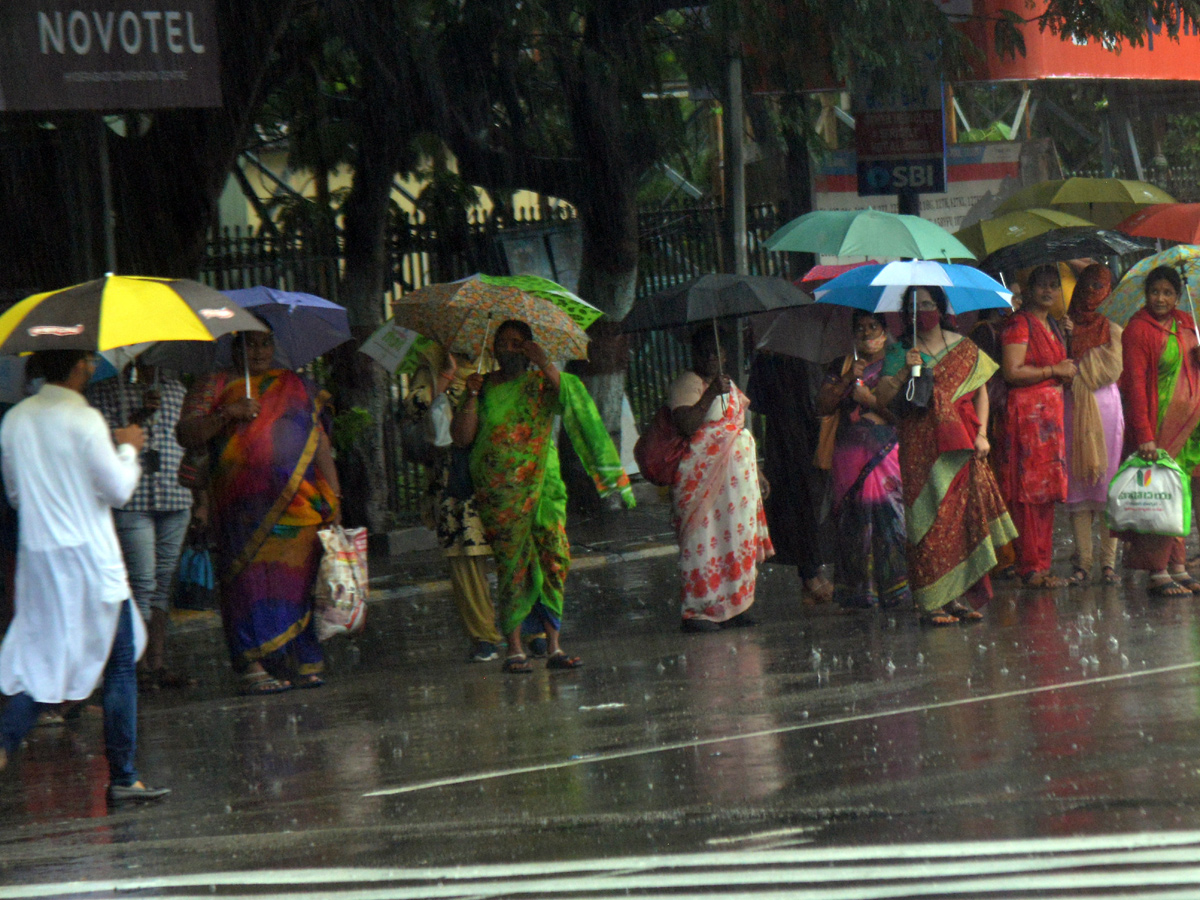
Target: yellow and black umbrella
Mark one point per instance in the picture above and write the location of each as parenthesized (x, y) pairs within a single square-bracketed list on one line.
[(119, 310)]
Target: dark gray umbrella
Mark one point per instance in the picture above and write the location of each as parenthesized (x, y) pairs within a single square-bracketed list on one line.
[(714, 297), (1062, 244)]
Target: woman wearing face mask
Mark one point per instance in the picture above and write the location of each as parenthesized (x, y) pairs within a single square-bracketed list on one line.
[(1033, 466), (507, 419), (868, 503), (1094, 422), (957, 527), (716, 499), (1160, 386)]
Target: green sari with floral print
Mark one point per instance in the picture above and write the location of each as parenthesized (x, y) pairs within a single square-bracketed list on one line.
[(520, 494)]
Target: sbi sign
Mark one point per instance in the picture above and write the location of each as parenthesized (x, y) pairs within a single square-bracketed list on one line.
[(133, 33)]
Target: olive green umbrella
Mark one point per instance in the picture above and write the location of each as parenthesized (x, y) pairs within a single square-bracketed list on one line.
[(984, 238)]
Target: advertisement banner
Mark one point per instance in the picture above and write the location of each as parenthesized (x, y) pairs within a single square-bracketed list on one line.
[(110, 56)]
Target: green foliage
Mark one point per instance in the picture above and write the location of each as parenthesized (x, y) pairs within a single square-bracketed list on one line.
[(351, 426)]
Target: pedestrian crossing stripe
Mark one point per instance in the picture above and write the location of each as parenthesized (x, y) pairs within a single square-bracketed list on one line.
[(1161, 866)]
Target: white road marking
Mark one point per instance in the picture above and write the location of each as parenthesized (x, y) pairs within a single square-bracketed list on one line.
[(452, 780), (965, 869)]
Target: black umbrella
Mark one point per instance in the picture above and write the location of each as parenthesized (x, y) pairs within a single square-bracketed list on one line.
[(1062, 244), (714, 297)]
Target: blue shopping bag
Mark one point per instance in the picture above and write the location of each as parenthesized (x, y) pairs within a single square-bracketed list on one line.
[(195, 586)]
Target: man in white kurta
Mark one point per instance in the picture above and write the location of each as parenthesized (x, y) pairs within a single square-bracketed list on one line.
[(74, 621)]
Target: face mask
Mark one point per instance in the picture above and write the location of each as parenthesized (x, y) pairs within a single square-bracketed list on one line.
[(871, 346), (928, 319), (512, 364)]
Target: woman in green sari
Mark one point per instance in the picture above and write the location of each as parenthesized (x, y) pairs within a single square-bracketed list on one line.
[(508, 421)]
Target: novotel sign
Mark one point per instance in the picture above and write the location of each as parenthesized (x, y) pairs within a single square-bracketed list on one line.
[(129, 54)]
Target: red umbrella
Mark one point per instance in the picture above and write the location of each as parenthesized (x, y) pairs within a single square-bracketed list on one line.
[(818, 275), (1169, 221)]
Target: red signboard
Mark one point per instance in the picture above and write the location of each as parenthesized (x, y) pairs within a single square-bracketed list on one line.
[(899, 132), (1047, 55), (127, 54)]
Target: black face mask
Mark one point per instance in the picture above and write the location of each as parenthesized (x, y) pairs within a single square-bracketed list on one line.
[(512, 364)]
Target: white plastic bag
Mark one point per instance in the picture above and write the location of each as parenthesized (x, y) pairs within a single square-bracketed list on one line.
[(1150, 497), (341, 593)]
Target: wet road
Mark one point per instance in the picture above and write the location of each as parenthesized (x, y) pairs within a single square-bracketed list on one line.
[(815, 743)]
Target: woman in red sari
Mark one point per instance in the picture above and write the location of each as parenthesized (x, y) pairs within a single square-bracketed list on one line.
[(958, 529), (1160, 386), (1033, 465)]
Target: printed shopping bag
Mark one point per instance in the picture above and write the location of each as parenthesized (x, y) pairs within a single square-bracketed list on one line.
[(1150, 496), (341, 593)]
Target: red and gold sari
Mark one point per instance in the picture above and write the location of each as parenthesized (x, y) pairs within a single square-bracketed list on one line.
[(958, 527)]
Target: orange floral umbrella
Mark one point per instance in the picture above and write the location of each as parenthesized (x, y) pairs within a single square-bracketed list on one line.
[(464, 315)]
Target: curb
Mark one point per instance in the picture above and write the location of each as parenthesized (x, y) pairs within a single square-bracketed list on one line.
[(579, 563), (186, 620)]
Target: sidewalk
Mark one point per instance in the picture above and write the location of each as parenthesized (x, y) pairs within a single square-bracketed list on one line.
[(599, 540)]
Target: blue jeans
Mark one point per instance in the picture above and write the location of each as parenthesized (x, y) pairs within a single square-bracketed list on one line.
[(120, 708), (151, 543)]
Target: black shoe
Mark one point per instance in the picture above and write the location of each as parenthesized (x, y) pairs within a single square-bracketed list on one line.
[(698, 626), (484, 652), (135, 793), (539, 647), (741, 620)]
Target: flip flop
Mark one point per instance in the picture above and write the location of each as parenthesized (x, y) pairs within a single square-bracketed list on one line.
[(309, 682), (1167, 588), (1109, 575), (1186, 581), (518, 665), (560, 660), (938, 618), (963, 612), (254, 683)]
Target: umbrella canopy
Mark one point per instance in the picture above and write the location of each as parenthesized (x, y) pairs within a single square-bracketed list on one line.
[(1105, 201), (1167, 221), (305, 326), (818, 275), (867, 232), (1060, 245), (880, 288), (1012, 228), (1129, 294), (118, 310), (463, 316), (714, 297), (580, 311), (818, 332)]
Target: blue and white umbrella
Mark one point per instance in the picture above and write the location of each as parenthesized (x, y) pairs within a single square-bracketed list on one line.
[(880, 288)]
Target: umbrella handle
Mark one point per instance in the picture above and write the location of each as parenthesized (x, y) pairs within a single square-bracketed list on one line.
[(487, 328), (1187, 289)]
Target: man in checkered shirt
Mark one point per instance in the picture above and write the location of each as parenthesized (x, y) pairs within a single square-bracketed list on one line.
[(152, 525)]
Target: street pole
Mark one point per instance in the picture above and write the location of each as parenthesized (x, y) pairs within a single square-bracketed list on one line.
[(735, 164), (106, 196)]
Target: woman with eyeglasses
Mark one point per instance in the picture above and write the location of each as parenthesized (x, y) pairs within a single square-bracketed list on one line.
[(868, 501), (957, 527)]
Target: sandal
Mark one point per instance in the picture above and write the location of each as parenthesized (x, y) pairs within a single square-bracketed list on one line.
[(938, 617), (308, 682), (1184, 580), (262, 683), (1043, 580), (1166, 587), (1079, 576), (1109, 575), (560, 660), (962, 611), (518, 665)]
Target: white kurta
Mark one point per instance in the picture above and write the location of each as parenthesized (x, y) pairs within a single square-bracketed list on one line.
[(64, 476)]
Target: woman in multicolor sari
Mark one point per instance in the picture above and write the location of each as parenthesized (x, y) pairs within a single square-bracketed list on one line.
[(1094, 422), (1033, 465), (958, 528), (508, 422), (272, 483), (716, 498), (1160, 386), (868, 503)]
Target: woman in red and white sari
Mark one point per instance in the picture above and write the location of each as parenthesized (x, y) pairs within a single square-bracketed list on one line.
[(716, 498)]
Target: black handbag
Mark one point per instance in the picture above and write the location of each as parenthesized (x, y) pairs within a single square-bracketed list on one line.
[(915, 397)]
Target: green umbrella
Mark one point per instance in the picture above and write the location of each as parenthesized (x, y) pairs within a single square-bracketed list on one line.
[(867, 233), (1104, 201), (984, 238)]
